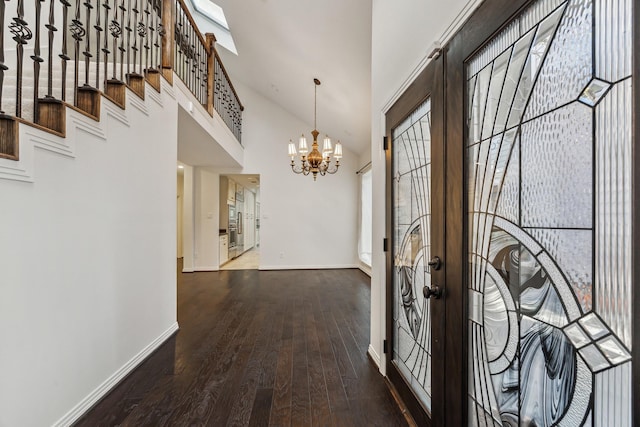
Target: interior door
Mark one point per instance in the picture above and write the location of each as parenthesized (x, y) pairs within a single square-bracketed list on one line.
[(415, 261), (549, 174)]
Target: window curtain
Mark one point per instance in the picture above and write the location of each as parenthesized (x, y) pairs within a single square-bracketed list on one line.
[(366, 194)]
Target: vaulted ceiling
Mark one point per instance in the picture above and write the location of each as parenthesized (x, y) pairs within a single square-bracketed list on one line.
[(284, 44)]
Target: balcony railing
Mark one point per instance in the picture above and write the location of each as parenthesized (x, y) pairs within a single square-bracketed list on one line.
[(58, 53)]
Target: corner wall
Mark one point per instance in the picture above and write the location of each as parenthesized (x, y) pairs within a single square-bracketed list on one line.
[(87, 259), (303, 224)]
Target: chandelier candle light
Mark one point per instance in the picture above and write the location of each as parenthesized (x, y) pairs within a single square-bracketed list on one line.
[(314, 162)]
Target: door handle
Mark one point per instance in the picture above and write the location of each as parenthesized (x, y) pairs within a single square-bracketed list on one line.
[(433, 291), (435, 263)]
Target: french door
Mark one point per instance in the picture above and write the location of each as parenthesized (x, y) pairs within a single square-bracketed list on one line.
[(513, 192), (415, 165)]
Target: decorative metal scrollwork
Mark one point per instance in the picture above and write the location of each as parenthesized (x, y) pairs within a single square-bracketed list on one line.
[(21, 33)]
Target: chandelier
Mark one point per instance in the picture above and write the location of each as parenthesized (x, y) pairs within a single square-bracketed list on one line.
[(314, 162)]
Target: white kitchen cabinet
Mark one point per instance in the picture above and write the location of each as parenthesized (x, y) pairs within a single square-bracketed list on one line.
[(224, 248)]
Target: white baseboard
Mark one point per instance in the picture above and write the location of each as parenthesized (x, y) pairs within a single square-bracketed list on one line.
[(374, 355), (87, 403), (365, 269), (206, 268), (307, 267)]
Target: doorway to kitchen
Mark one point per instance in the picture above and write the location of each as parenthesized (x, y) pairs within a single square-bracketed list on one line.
[(239, 222)]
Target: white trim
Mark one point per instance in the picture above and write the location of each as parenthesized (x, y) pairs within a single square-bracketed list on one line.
[(167, 87), (114, 111), (188, 270), (308, 267), (86, 124), (85, 404), (444, 38), (374, 355), (49, 142), (135, 101), (206, 268), (366, 269), (154, 94)]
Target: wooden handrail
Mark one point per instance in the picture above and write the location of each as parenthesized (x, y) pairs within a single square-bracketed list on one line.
[(224, 70), (193, 23)]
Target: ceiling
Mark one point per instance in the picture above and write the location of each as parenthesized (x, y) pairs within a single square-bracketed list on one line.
[(283, 45)]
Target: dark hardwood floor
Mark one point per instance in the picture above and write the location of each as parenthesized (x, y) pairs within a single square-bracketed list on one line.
[(259, 348)]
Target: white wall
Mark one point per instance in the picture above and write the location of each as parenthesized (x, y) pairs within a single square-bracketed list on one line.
[(188, 221), (304, 224), (249, 219), (403, 34), (179, 212), (207, 219), (87, 259)]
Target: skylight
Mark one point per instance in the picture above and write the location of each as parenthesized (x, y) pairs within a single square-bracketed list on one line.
[(212, 11)]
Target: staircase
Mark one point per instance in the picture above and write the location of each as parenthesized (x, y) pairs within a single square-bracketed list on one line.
[(40, 81)]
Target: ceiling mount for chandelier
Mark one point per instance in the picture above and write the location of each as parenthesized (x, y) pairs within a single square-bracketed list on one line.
[(315, 162)]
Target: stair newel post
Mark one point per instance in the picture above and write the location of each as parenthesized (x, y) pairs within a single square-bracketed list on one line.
[(64, 56), (51, 27), (211, 41), (87, 46), (168, 39), (21, 34)]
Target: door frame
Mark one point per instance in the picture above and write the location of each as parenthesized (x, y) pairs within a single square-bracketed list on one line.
[(429, 84), (448, 124)]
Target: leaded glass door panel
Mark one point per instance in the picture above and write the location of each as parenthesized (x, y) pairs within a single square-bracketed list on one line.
[(415, 179), (549, 218)]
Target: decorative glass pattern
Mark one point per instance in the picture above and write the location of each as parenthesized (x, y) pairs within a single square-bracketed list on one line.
[(549, 214), (412, 251)]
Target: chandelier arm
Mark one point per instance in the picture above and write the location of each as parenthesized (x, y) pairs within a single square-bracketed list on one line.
[(334, 170)]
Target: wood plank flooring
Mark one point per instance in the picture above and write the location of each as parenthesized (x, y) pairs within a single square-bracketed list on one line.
[(259, 348)]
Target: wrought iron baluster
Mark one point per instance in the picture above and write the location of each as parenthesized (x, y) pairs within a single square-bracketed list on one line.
[(147, 28), (21, 34), (142, 31), (87, 46), (3, 67), (203, 73), (52, 29), (37, 59), (135, 38), (98, 28), (159, 32), (78, 32), (105, 48), (116, 30), (128, 29), (121, 48), (64, 57)]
